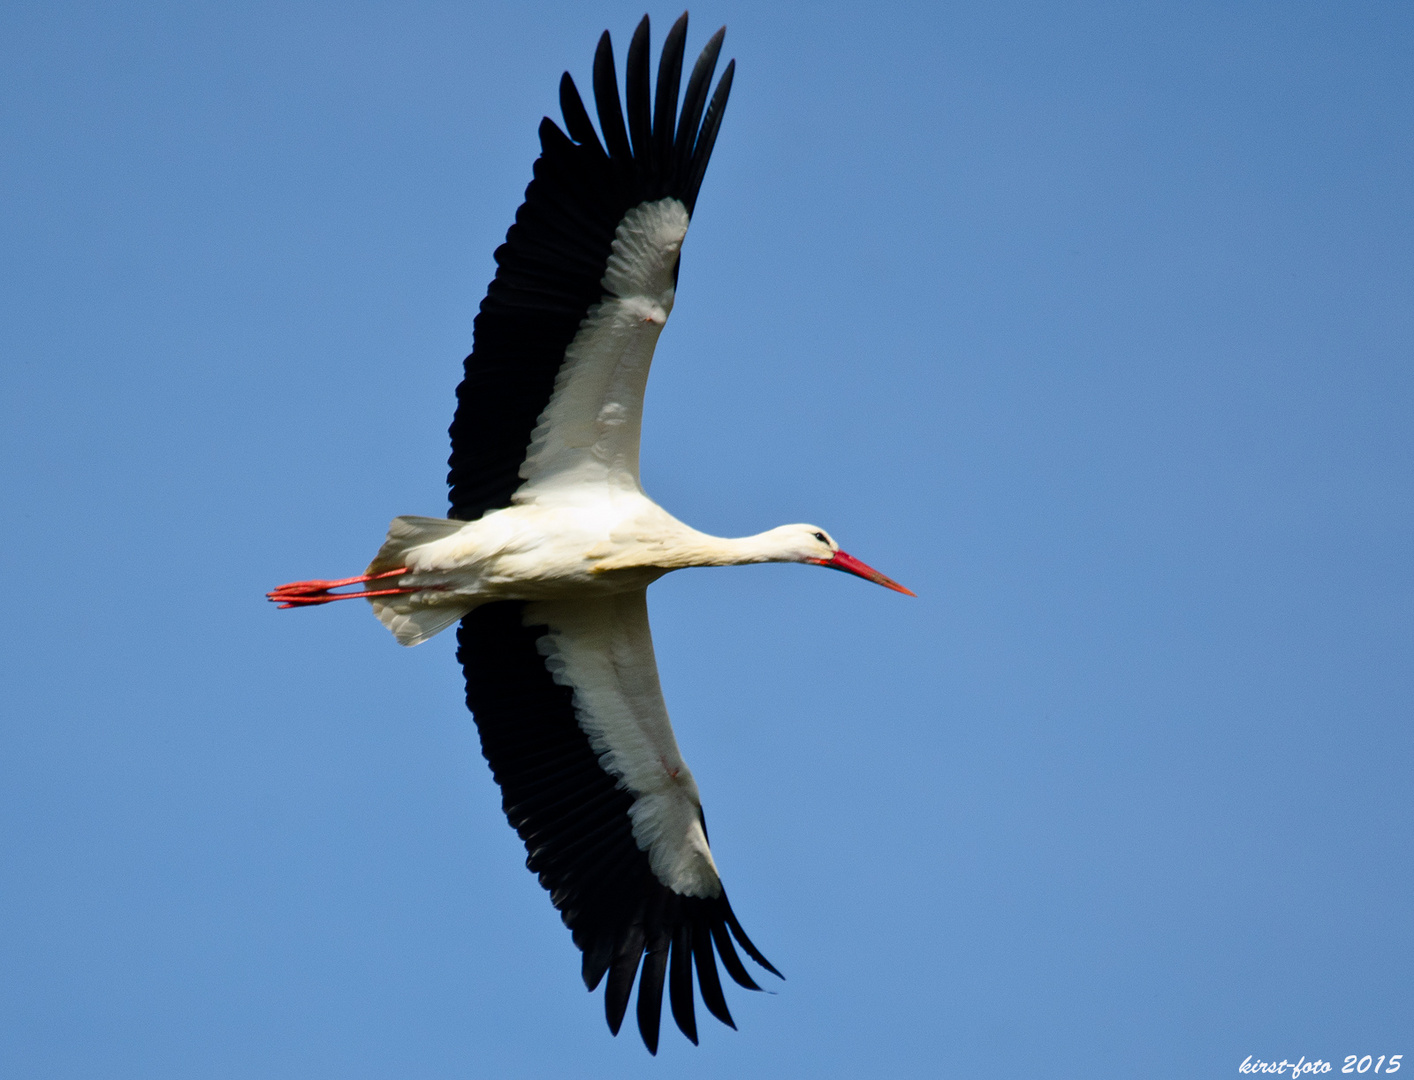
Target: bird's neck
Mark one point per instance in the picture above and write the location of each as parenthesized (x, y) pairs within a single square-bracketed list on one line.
[(700, 549)]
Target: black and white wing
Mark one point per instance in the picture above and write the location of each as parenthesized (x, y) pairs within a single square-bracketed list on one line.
[(572, 721), (553, 388), (566, 694)]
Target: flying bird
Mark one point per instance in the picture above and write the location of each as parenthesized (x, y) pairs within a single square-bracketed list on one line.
[(551, 543)]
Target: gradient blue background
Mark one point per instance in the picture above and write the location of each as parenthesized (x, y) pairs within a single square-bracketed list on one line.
[(1091, 322)]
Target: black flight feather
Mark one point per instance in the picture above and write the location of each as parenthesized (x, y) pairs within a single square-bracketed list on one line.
[(665, 106), (596, 962), (745, 942), (707, 137), (650, 986), (636, 98), (735, 968), (576, 118), (707, 979), (680, 981), (606, 101), (695, 99), (621, 974)]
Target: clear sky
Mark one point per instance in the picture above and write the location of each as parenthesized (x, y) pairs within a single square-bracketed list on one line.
[(1091, 322)]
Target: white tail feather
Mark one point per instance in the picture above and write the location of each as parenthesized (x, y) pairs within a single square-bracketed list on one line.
[(417, 616), (414, 625), (406, 533)]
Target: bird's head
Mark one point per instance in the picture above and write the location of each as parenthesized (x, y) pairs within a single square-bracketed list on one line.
[(812, 544)]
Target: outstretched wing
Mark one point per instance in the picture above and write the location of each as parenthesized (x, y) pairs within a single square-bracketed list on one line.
[(553, 388), (572, 722)]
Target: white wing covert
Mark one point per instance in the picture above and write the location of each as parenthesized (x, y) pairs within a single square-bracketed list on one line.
[(603, 650)]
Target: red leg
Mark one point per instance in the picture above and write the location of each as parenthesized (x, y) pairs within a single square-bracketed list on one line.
[(307, 593)]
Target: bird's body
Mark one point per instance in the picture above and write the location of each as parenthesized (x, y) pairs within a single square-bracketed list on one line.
[(536, 551), (551, 543)]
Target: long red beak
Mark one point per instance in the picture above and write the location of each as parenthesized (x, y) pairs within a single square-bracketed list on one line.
[(850, 565)]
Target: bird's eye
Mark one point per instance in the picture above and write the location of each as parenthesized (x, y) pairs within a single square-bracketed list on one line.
[(821, 538)]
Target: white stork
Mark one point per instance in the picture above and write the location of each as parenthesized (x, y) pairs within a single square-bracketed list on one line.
[(551, 542)]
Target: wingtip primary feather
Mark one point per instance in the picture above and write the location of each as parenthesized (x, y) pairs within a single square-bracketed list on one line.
[(666, 101), (707, 137), (695, 100), (577, 122), (745, 942), (607, 102), (637, 95), (621, 975), (735, 968), (680, 982), (650, 991), (708, 981), (597, 956)]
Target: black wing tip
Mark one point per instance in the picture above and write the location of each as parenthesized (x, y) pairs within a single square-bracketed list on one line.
[(659, 946), (747, 945), (660, 146)]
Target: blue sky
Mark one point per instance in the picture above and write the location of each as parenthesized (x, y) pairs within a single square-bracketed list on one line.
[(1092, 323)]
